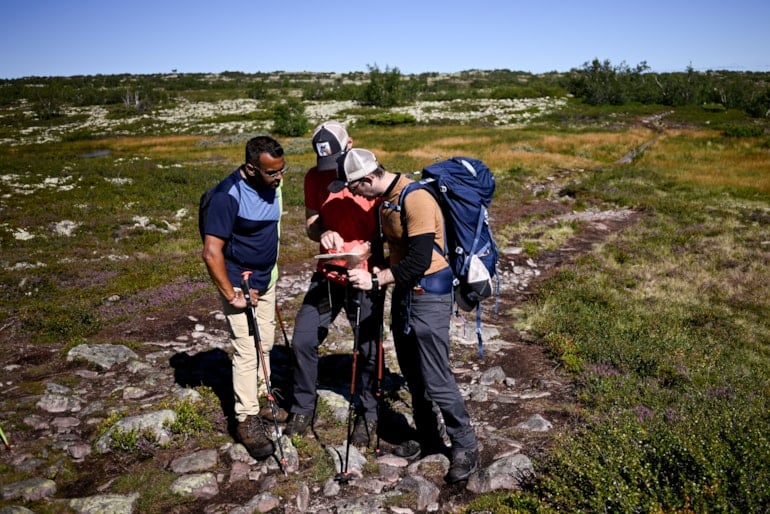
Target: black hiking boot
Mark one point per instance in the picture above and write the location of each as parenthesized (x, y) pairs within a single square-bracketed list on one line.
[(364, 432), (409, 450), (298, 424), (464, 464)]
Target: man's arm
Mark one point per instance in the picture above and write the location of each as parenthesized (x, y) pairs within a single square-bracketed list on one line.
[(316, 231), (214, 257), (313, 225)]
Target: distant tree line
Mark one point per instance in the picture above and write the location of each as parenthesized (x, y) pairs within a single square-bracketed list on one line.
[(601, 83), (595, 83)]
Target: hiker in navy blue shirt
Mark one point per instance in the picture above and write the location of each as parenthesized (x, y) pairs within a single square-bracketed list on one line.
[(242, 228), (420, 311)]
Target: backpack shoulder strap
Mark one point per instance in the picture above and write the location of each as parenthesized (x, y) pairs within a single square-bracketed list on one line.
[(421, 184)]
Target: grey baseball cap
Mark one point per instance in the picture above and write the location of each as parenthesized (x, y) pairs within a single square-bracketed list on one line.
[(354, 165)]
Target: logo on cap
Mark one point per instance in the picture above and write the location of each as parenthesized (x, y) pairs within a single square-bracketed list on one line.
[(323, 148)]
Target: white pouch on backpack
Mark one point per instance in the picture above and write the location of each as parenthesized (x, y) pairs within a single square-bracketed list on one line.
[(477, 286)]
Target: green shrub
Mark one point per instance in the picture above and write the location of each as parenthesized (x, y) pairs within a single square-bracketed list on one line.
[(191, 419), (391, 119), (289, 118), (713, 107), (700, 458), (386, 88), (61, 323), (743, 131)]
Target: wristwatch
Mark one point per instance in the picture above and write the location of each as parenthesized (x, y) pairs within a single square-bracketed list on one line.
[(375, 282)]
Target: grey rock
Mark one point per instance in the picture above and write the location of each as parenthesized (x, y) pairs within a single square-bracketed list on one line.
[(198, 461), (536, 423), (152, 423), (134, 393), (491, 376), (62, 424), (201, 485), (426, 491), (331, 487), (239, 471), (16, 509), (263, 502), (79, 451), (355, 461), (104, 355), (55, 402), (303, 497), (436, 464), (30, 489), (99, 504), (506, 473)]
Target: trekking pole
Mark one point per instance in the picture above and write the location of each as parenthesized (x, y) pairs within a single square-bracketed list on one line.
[(380, 299), (251, 316), (5, 441), (343, 476), (283, 327)]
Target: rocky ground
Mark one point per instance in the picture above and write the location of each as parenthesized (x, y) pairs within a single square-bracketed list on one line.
[(517, 396)]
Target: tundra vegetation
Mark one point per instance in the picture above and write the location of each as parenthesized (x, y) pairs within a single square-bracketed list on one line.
[(665, 328)]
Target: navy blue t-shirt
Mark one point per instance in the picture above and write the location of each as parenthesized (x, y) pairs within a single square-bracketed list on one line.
[(249, 220)]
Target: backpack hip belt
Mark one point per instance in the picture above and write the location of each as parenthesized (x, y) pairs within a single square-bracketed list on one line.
[(440, 282)]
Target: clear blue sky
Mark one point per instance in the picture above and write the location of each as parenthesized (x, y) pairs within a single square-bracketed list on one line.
[(88, 37)]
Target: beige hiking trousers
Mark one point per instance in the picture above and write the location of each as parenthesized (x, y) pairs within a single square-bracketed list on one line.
[(248, 378)]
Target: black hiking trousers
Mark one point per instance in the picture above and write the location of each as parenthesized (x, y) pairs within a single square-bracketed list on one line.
[(322, 303)]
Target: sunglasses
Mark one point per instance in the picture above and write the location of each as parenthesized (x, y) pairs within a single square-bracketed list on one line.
[(270, 173)]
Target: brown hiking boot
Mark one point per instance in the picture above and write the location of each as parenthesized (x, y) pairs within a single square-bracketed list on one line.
[(251, 434), (266, 412)]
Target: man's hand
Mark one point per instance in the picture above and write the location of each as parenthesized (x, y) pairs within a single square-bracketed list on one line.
[(254, 295), (331, 240), (360, 279), (238, 301)]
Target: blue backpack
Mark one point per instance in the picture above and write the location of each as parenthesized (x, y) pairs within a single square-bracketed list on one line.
[(203, 208), (463, 188)]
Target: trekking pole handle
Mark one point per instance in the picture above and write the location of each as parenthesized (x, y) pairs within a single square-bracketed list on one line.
[(252, 319), (245, 286)]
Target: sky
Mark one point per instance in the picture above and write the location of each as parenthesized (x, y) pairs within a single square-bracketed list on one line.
[(90, 37)]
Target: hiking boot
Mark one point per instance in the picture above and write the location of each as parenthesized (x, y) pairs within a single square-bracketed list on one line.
[(298, 424), (266, 412), (251, 434), (409, 450), (364, 431), (464, 464)]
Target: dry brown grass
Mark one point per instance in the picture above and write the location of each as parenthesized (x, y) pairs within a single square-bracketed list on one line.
[(182, 148), (704, 157), (504, 149)]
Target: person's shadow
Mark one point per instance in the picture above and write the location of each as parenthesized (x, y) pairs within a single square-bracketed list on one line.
[(212, 369)]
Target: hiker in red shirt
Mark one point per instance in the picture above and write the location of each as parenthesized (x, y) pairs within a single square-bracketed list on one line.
[(342, 223)]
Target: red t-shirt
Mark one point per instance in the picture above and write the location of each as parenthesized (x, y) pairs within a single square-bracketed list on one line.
[(353, 217)]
